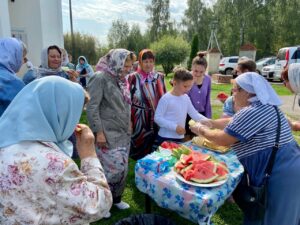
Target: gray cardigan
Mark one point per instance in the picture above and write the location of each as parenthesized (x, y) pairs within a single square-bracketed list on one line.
[(107, 110)]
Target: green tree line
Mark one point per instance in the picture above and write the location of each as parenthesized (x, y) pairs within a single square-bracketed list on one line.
[(268, 24)]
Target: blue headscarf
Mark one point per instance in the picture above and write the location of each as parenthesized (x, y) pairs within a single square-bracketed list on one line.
[(47, 109), (11, 54), (82, 66)]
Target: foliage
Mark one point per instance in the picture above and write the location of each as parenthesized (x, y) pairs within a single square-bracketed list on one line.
[(194, 50), (118, 34), (197, 18), (268, 24), (84, 44), (170, 51), (159, 21)]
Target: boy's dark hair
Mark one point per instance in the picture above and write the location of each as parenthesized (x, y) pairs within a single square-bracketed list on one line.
[(200, 60), (182, 74), (54, 47), (247, 64)]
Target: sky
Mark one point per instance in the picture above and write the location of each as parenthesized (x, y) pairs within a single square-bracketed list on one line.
[(94, 17)]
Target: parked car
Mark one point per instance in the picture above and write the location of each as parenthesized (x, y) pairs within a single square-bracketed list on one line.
[(264, 62), (286, 56), (227, 64), (269, 73)]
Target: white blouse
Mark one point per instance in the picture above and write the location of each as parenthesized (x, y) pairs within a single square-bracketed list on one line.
[(39, 184)]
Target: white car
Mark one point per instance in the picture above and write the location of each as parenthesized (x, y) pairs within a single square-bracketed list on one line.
[(286, 56), (264, 62), (227, 64), (269, 73)]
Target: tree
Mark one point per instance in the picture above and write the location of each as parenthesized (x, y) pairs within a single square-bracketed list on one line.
[(136, 41), (194, 50), (84, 45), (170, 51), (118, 34), (197, 18), (159, 21)]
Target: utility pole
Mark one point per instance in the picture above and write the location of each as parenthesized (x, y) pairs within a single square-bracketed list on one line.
[(213, 36), (71, 25)]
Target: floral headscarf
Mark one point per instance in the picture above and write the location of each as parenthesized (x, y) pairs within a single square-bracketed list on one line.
[(113, 63), (294, 77)]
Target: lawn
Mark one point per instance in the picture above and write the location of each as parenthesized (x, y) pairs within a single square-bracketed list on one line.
[(228, 214)]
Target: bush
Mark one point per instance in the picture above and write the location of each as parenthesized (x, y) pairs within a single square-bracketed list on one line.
[(170, 51)]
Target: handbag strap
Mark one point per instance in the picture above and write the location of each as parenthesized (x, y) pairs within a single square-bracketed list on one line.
[(270, 165)]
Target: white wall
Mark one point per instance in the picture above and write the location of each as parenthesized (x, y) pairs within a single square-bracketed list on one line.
[(38, 23), (4, 19)]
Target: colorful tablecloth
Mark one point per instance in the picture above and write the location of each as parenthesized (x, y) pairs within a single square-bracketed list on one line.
[(197, 204)]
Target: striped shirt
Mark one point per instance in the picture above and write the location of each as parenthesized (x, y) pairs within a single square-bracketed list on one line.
[(255, 127)]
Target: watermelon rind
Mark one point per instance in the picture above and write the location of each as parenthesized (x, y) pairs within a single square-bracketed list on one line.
[(205, 181)]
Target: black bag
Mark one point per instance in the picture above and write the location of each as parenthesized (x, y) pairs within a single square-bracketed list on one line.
[(252, 200), (145, 219)]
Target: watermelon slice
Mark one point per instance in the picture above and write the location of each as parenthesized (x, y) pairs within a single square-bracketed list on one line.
[(186, 159), (222, 171), (206, 165), (188, 174), (198, 156), (204, 176), (179, 166), (189, 167)]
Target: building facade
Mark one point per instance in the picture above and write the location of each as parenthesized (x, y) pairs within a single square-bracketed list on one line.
[(38, 23)]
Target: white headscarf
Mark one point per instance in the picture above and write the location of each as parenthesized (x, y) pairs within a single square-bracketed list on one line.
[(294, 77), (256, 84)]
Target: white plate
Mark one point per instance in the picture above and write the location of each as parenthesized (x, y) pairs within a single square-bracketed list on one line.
[(215, 184)]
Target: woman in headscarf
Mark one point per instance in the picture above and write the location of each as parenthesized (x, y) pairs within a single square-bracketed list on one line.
[(251, 133), (39, 182), (66, 64), (291, 79), (108, 113), (146, 87), (12, 53), (51, 64), (85, 70)]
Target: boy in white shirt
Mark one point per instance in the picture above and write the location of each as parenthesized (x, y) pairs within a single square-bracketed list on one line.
[(173, 107)]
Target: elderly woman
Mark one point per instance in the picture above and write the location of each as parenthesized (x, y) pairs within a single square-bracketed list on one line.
[(12, 53), (39, 182), (251, 134), (108, 113), (51, 64), (291, 79), (146, 87)]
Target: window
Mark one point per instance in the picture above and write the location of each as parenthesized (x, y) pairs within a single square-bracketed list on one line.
[(296, 54), (235, 60)]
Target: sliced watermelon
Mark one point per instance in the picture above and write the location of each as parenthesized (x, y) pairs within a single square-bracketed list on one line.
[(206, 165), (222, 171), (165, 144), (173, 145), (179, 166), (198, 156), (188, 174), (189, 167), (186, 159), (204, 176)]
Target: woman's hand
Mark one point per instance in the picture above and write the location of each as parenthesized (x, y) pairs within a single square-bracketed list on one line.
[(207, 122), (180, 130), (85, 141), (101, 140), (198, 129), (73, 75)]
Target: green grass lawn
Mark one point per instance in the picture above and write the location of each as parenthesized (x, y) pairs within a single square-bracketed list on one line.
[(228, 214)]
